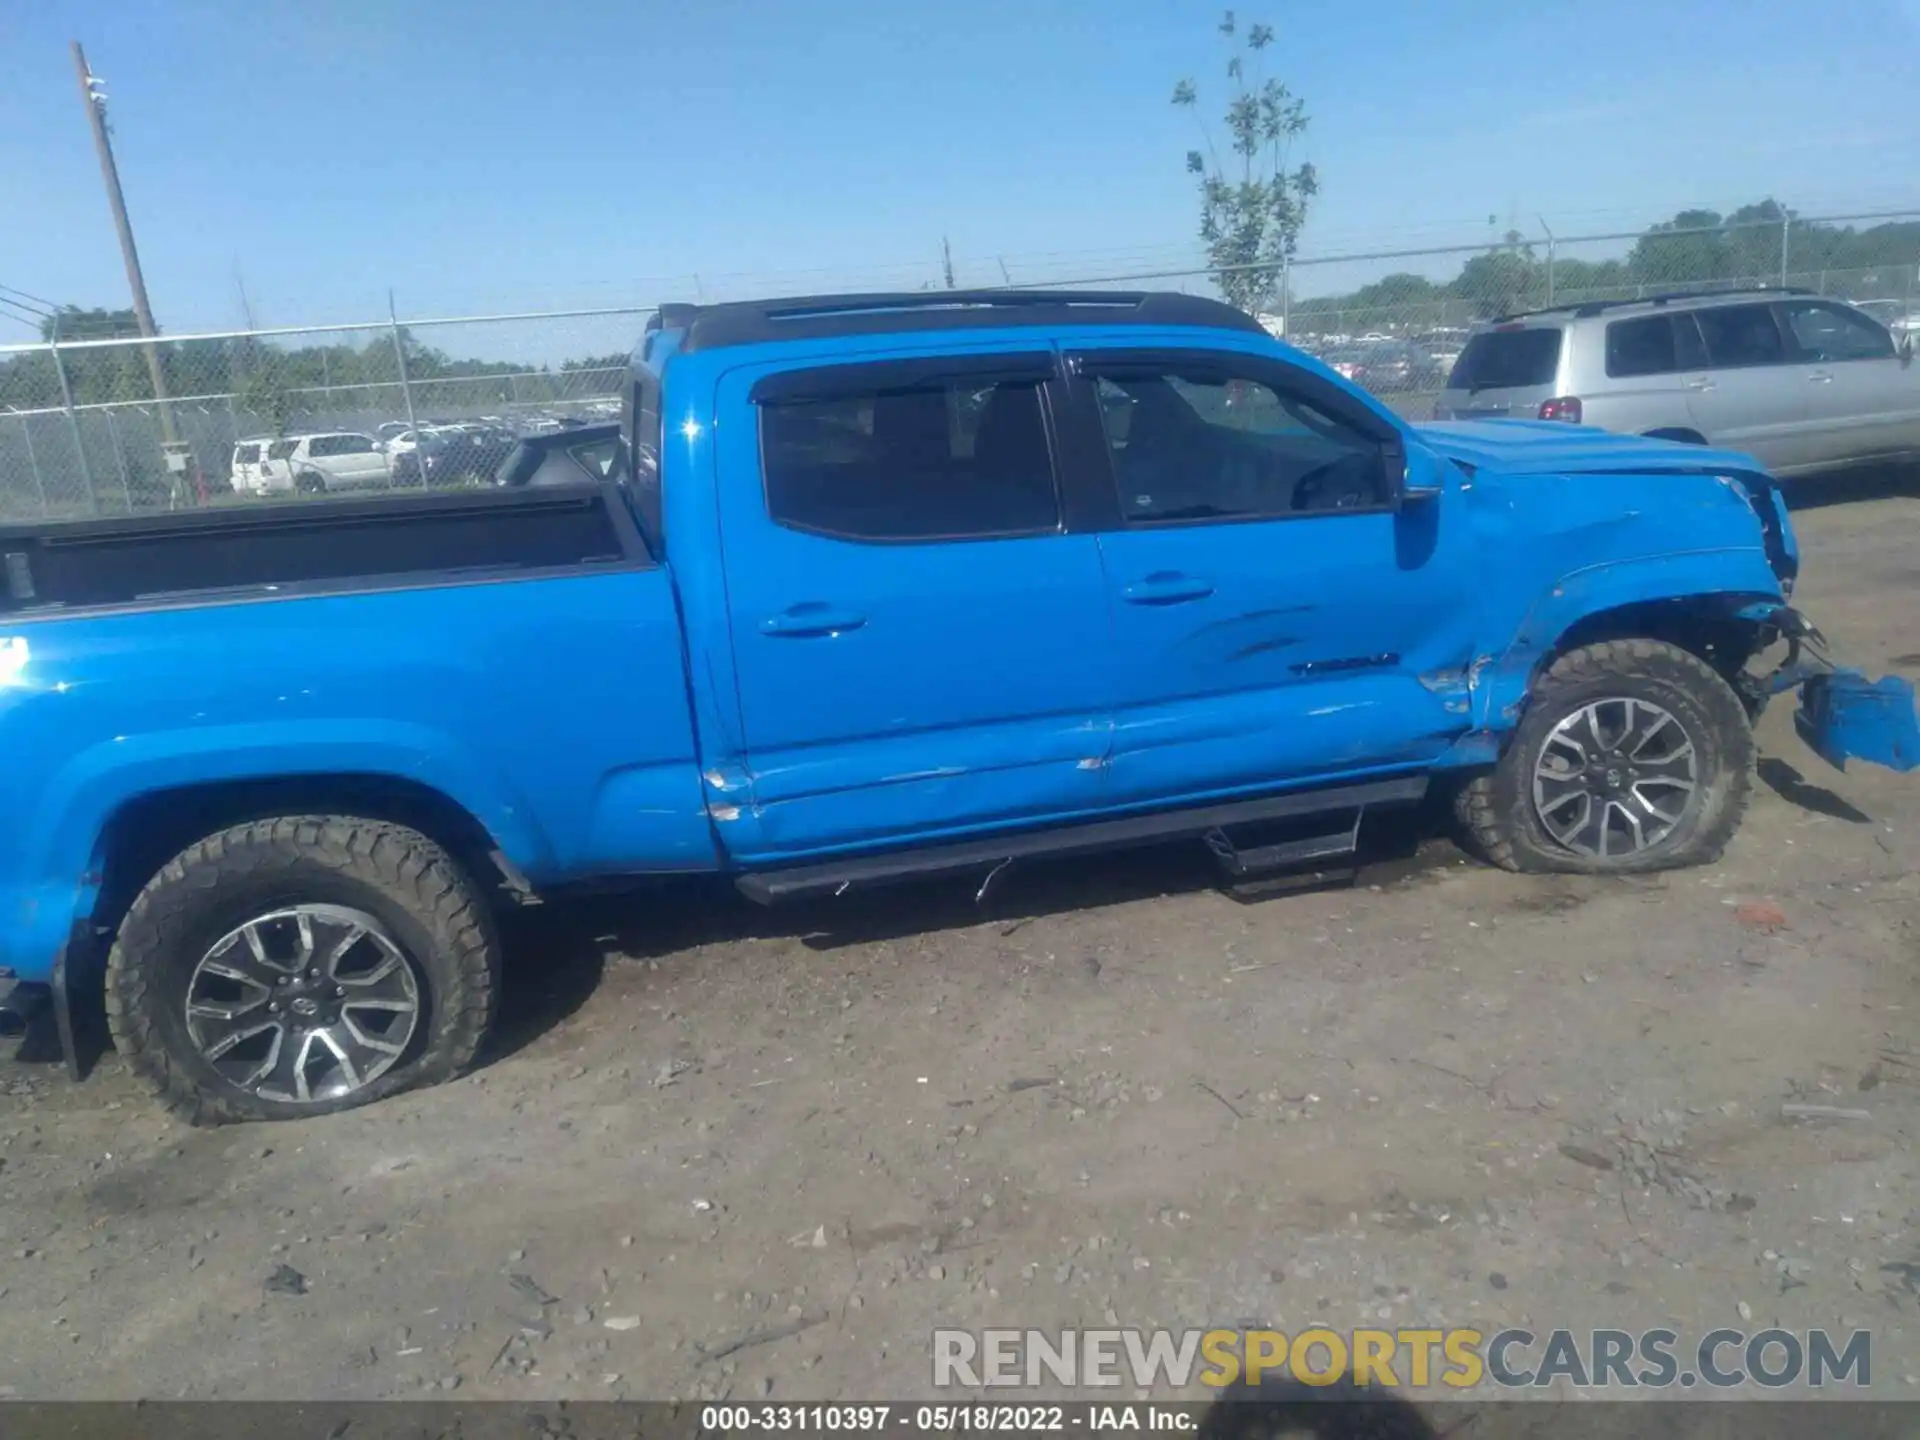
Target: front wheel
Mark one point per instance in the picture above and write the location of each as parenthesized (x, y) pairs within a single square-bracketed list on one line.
[(299, 966), (1633, 755)]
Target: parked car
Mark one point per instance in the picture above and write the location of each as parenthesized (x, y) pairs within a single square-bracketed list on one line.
[(1801, 383), (310, 464), (833, 624), (456, 454)]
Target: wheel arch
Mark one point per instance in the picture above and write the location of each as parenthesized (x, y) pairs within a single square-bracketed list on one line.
[(146, 830), (1708, 626)]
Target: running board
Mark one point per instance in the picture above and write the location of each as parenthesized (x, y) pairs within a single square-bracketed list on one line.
[(993, 852), (1263, 859)]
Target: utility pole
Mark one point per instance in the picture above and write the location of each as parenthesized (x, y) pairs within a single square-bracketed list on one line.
[(94, 98)]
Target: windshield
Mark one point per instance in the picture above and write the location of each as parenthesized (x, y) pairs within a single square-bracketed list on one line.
[(1507, 360)]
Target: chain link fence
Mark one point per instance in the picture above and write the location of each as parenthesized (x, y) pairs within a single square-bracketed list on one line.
[(83, 431)]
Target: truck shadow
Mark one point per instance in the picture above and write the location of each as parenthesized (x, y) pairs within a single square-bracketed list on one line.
[(557, 953), (1846, 487), (1794, 788)]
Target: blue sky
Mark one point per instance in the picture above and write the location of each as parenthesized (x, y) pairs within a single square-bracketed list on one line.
[(485, 155)]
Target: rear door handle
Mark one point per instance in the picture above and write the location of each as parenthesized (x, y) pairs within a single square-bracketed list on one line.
[(1820, 377), (1166, 587), (810, 619), (1699, 384)]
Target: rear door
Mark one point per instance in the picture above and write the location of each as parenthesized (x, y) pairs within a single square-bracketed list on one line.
[(919, 646), (1505, 373), (246, 465), (1750, 394), (1863, 399), (276, 465), (1279, 615), (1644, 358)]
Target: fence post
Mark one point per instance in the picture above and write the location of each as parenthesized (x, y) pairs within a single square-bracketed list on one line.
[(73, 420), (1786, 233), (406, 389), (1286, 298), (33, 462), (119, 458)]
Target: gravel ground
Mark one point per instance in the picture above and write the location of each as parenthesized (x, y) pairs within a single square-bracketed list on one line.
[(724, 1152)]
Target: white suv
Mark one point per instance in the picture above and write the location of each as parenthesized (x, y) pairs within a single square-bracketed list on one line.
[(311, 464)]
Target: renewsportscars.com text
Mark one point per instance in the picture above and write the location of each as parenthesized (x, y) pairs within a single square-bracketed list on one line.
[(1456, 1359)]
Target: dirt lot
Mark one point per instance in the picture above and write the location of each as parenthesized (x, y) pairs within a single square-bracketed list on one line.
[(1442, 1095)]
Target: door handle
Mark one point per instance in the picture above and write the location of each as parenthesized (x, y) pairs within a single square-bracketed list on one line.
[(1820, 377), (1699, 384), (1166, 587), (810, 619)]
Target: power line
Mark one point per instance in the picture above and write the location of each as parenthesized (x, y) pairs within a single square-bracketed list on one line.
[(27, 300)]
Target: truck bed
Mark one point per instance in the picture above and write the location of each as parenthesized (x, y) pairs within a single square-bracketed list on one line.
[(310, 546)]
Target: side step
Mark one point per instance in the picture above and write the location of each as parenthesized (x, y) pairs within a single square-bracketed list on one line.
[(1277, 855), (993, 852)]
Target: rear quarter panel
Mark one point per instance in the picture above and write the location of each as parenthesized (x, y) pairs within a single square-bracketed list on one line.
[(553, 710)]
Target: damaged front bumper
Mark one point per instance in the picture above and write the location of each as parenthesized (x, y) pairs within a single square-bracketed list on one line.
[(1843, 715)]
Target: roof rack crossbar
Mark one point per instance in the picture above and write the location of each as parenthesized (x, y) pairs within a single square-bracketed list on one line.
[(1582, 309)]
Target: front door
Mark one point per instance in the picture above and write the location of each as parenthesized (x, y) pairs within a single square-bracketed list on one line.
[(1863, 398), (920, 647), (1279, 614)]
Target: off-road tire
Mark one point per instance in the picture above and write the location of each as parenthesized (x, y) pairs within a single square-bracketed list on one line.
[(1496, 808), (395, 874)]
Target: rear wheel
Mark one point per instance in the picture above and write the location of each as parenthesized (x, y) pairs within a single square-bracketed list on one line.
[(300, 966), (309, 483), (1633, 755)]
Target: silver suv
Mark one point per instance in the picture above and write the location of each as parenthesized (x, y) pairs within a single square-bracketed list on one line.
[(1801, 383)]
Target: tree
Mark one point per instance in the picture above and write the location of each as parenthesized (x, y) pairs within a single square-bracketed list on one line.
[(1252, 205), (1504, 280)]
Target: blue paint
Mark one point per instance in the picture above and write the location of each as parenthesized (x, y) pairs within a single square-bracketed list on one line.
[(767, 694), (1844, 716)]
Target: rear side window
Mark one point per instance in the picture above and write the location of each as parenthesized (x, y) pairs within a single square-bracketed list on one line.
[(281, 449), (246, 454), (1507, 360), (903, 452), (1741, 335), (1641, 347), (323, 445)]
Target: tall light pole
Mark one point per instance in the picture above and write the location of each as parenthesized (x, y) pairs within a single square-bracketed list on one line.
[(93, 96)]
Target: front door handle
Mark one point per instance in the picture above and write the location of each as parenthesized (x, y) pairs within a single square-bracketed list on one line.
[(809, 619), (1166, 587), (1702, 384), (1820, 377)]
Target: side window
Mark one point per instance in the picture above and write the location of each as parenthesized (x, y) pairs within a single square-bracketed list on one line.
[(902, 452), (354, 444), (281, 449), (1739, 335), (323, 445), (246, 454), (644, 439), (1641, 347), (1213, 441), (1829, 333)]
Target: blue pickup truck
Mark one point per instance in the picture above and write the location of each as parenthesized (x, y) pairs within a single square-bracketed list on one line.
[(864, 587)]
